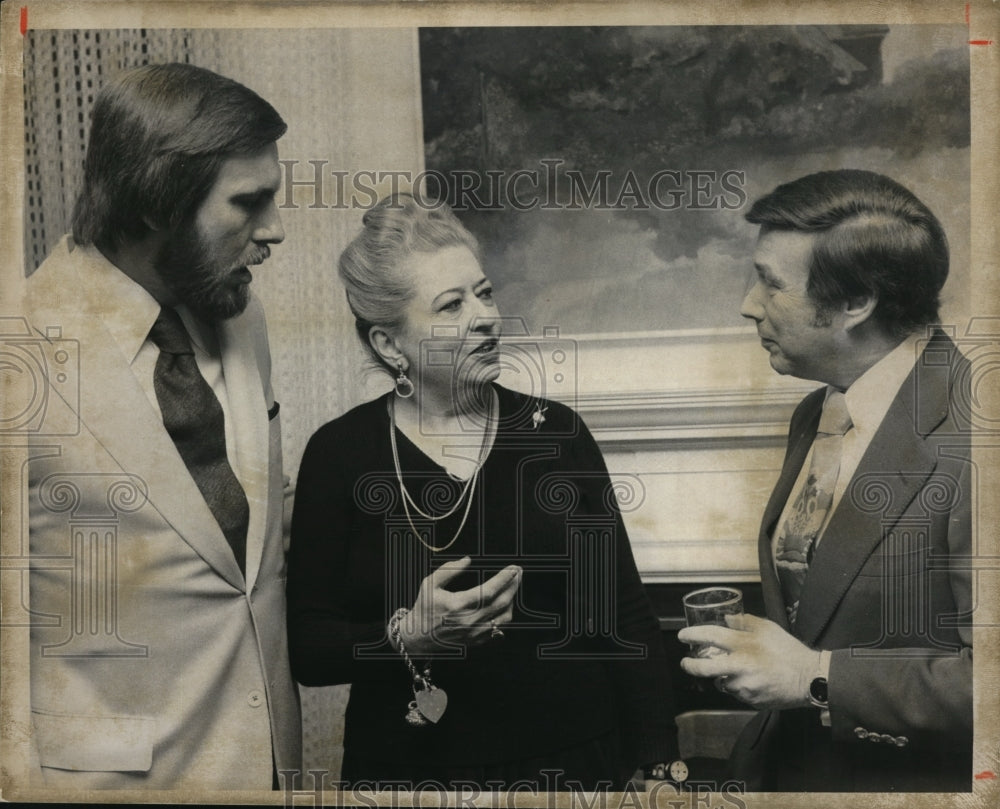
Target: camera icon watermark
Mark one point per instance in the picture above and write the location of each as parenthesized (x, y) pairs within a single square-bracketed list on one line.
[(40, 371), (543, 368)]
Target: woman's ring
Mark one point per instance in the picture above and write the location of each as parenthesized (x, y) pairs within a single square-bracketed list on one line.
[(495, 632), (720, 683)]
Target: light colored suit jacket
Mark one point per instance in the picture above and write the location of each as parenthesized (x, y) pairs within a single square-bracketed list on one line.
[(889, 592), (154, 662)]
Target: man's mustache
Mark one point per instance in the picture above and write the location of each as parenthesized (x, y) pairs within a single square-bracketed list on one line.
[(258, 255)]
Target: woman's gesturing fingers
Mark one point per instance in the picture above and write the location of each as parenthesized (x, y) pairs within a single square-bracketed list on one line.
[(443, 618), (499, 590), (448, 571), (477, 609)]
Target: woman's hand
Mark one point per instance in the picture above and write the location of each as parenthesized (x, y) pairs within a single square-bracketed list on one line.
[(442, 619)]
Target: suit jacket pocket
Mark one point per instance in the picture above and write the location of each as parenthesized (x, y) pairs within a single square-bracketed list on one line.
[(94, 743)]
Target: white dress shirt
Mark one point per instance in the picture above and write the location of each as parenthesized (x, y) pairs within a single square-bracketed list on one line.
[(129, 311), (868, 400)]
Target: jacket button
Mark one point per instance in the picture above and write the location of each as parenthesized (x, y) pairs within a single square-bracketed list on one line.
[(861, 733), (255, 699)]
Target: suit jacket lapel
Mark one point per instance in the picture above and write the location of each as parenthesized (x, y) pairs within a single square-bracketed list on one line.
[(131, 431), (892, 471), (248, 409)]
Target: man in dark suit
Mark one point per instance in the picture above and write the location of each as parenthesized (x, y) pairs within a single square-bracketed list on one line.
[(862, 670)]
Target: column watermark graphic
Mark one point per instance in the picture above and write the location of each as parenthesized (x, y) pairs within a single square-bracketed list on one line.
[(92, 560)]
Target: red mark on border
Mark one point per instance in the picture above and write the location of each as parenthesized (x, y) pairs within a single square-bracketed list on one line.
[(980, 41), (985, 775), (967, 14), (24, 20)]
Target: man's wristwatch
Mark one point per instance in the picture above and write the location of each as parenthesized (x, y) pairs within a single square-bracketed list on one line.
[(819, 693), (676, 771)]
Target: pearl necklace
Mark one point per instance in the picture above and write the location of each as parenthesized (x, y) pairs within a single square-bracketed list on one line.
[(468, 492)]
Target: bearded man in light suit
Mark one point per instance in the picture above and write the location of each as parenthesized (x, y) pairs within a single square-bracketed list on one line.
[(158, 648), (862, 670)]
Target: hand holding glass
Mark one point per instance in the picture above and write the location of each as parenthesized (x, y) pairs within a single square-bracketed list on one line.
[(711, 605)]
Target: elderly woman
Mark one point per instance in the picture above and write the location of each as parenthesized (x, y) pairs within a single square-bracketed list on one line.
[(457, 554)]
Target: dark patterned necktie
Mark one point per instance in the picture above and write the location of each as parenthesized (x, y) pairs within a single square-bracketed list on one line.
[(195, 421), (797, 537)]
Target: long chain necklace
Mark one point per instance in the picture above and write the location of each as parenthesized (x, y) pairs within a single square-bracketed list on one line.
[(468, 492)]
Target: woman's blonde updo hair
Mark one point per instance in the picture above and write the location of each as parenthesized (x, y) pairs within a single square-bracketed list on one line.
[(370, 266)]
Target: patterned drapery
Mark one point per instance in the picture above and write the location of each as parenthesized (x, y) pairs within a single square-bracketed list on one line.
[(63, 70)]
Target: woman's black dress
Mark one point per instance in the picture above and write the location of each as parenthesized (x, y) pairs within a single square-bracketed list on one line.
[(579, 685)]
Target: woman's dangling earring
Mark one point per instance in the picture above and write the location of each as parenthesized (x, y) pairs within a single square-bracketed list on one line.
[(404, 387)]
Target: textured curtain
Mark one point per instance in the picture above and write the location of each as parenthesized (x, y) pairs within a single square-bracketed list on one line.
[(63, 70)]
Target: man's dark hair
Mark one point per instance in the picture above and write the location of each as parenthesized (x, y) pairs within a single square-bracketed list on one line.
[(875, 238), (159, 136)]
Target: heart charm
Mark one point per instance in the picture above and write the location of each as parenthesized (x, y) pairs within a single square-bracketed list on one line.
[(431, 703)]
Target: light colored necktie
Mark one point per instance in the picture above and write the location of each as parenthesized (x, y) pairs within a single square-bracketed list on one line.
[(811, 503), (195, 421)]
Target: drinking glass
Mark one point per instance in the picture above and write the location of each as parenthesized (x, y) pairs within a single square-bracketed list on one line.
[(711, 605)]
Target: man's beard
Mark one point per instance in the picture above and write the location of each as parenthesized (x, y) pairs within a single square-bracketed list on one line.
[(201, 280)]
